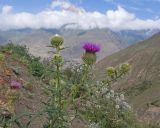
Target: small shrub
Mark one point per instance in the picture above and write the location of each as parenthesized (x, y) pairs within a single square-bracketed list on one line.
[(36, 67), (24, 60), (17, 49)]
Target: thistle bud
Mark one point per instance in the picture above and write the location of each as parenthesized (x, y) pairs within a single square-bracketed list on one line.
[(111, 72), (125, 67), (57, 41), (57, 58), (89, 58)]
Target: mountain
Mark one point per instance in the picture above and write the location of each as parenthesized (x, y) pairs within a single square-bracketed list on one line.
[(142, 84), (107, 39), (38, 40), (134, 36)]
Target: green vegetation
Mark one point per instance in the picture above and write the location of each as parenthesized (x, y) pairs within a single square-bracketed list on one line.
[(72, 93), (36, 67), (21, 54)]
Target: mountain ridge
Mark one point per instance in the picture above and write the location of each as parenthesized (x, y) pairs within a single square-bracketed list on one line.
[(109, 40)]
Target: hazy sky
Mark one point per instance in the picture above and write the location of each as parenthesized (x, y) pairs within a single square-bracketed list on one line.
[(85, 14)]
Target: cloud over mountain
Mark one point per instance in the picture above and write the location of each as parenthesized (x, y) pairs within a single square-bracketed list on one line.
[(64, 12)]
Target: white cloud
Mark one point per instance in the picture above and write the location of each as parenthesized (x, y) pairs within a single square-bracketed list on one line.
[(76, 17), (6, 9), (65, 5)]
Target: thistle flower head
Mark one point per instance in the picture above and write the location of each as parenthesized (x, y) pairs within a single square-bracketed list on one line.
[(91, 47), (15, 84), (57, 41)]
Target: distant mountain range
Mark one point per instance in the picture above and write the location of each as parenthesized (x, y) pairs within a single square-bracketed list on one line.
[(37, 40), (142, 84)]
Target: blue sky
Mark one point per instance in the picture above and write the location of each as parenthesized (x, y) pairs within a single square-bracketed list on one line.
[(142, 10)]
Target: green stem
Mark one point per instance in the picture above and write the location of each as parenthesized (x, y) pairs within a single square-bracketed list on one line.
[(58, 85), (85, 76), (109, 81), (58, 81), (82, 84), (58, 95)]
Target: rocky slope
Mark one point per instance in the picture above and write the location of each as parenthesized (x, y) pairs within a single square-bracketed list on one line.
[(28, 97), (141, 85)]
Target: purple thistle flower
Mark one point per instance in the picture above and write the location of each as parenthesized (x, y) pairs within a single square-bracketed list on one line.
[(15, 84), (91, 47)]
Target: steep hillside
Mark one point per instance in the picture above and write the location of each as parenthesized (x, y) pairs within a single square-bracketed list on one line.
[(20, 91), (26, 88), (142, 85), (36, 39)]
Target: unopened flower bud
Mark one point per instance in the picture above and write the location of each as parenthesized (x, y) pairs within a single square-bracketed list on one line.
[(125, 67), (57, 58), (89, 58), (57, 41), (111, 72)]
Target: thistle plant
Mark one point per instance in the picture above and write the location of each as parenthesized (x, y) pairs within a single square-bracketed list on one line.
[(55, 107), (79, 95), (7, 112), (13, 94), (15, 84), (96, 102)]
